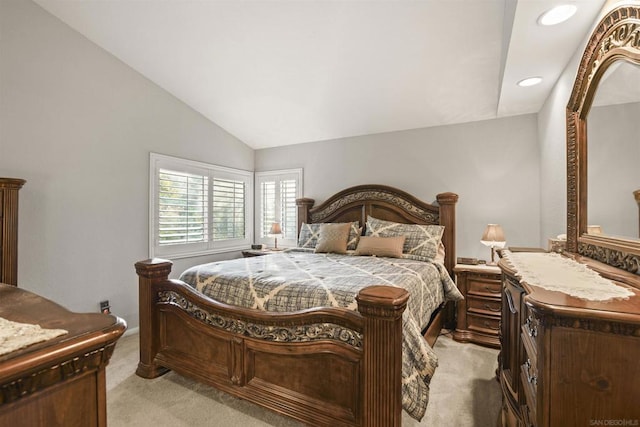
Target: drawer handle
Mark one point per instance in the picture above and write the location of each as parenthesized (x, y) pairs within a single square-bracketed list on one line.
[(490, 308), (532, 330), (533, 379), (488, 325), (512, 307), (489, 289)]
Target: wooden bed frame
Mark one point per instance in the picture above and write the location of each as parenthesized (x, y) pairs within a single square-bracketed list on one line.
[(322, 366)]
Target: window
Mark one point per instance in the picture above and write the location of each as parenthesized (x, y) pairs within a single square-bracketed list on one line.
[(276, 194), (198, 208)]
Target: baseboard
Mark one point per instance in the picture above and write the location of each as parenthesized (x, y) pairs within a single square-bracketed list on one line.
[(131, 331)]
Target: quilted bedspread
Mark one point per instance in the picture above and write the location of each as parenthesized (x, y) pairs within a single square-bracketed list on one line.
[(292, 280)]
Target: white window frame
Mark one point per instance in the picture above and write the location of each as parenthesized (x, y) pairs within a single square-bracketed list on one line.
[(211, 246), (277, 175)]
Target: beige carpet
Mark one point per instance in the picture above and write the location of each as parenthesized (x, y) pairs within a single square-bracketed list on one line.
[(464, 392)]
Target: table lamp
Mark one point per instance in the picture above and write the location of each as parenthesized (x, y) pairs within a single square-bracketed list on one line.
[(275, 231), (493, 237)]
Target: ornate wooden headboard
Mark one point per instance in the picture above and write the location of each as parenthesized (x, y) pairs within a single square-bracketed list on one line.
[(387, 203)]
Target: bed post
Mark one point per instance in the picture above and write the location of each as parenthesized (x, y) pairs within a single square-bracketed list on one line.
[(381, 308), (304, 205), (150, 272), (447, 202)]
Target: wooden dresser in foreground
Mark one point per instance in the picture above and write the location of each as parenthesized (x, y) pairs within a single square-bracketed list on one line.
[(567, 361), (59, 382), (478, 315)]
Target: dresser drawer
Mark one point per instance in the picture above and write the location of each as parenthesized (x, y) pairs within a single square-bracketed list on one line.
[(508, 416), (484, 305), (529, 335), (484, 324), (529, 384), (527, 417), (485, 287)]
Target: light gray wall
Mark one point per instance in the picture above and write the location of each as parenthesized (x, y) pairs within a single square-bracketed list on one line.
[(78, 125), (492, 165), (552, 136)]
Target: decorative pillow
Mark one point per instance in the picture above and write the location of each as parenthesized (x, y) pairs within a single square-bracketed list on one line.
[(380, 246), (421, 242), (309, 233), (441, 254), (333, 238), (355, 232)]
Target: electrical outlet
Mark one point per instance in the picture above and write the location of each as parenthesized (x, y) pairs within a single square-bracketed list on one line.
[(105, 308)]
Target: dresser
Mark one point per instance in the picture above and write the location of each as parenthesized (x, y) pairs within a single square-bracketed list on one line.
[(9, 188), (478, 315), (568, 361), (61, 381)]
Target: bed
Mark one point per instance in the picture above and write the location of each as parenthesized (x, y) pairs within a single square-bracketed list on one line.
[(326, 365)]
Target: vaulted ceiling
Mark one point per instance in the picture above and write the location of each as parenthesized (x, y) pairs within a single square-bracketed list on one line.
[(285, 72)]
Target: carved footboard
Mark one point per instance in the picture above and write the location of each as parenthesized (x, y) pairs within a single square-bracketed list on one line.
[(323, 366)]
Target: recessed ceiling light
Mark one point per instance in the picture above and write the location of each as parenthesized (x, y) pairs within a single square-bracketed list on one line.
[(558, 14), (531, 81)]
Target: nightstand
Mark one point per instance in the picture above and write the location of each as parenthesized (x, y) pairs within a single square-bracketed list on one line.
[(478, 315), (257, 252)]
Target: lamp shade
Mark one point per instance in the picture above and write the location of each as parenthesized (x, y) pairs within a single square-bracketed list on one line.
[(493, 236), (275, 230)]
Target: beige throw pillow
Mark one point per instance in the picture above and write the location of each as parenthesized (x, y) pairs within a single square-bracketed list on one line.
[(333, 238), (381, 246), (309, 233)]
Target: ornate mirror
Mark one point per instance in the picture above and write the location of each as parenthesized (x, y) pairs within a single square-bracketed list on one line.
[(613, 172), (604, 173)]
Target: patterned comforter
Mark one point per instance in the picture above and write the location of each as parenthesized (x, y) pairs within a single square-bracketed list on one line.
[(293, 280)]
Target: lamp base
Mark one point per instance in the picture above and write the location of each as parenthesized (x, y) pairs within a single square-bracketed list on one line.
[(493, 257)]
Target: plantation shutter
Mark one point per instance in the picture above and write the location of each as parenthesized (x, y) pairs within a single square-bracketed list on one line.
[(182, 208), (228, 209), (197, 208), (268, 205), (288, 209), (275, 201)]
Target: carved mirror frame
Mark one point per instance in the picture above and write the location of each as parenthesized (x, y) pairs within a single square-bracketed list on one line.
[(616, 38)]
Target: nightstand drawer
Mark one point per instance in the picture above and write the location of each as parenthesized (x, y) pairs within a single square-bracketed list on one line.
[(485, 287), (482, 305), (484, 324)]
